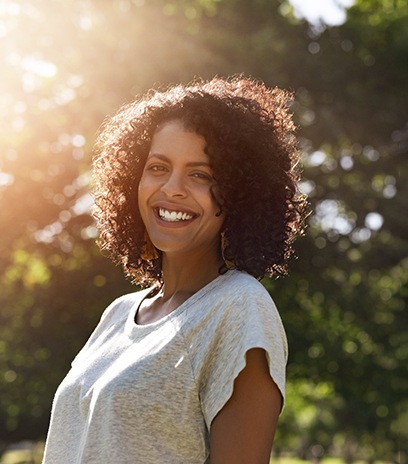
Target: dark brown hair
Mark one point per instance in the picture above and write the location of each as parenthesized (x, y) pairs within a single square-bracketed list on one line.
[(250, 142)]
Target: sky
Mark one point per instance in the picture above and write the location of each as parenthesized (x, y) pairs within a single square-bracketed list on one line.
[(331, 12)]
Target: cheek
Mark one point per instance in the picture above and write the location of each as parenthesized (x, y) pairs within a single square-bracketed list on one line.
[(216, 198), (145, 185), (146, 190), (142, 193)]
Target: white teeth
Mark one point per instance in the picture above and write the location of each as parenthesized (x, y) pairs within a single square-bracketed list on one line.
[(174, 216)]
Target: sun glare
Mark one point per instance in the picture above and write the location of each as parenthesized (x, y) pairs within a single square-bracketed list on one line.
[(330, 12)]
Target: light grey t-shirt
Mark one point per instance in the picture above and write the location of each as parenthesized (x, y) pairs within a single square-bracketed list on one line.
[(148, 393)]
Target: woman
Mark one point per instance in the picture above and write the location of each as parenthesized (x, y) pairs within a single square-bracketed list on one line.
[(196, 197)]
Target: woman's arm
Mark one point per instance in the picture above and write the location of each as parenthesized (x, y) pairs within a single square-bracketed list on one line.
[(242, 432)]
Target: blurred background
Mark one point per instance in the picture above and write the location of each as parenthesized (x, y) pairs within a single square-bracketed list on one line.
[(67, 64)]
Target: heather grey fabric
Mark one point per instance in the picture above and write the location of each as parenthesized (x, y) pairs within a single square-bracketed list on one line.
[(148, 393)]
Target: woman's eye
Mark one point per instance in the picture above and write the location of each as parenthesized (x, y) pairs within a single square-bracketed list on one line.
[(156, 168), (202, 176)]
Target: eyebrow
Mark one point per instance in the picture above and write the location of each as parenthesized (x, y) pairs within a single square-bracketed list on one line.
[(190, 164)]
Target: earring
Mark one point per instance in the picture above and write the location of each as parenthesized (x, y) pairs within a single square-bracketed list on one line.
[(224, 243), (149, 252)]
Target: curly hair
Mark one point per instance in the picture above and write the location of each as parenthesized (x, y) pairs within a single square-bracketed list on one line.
[(250, 142)]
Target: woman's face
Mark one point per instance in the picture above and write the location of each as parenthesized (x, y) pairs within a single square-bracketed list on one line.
[(175, 200)]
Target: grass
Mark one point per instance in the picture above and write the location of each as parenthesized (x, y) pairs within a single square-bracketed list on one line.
[(286, 461), (323, 461), (300, 461), (24, 456), (17, 457)]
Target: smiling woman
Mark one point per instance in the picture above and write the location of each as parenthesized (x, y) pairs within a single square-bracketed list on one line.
[(249, 142), (196, 195)]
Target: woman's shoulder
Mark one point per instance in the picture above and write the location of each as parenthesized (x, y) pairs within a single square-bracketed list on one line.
[(131, 298), (121, 305), (234, 296), (240, 285)]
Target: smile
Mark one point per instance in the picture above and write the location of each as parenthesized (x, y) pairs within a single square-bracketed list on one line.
[(174, 216)]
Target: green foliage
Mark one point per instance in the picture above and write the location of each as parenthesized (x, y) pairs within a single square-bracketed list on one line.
[(66, 65)]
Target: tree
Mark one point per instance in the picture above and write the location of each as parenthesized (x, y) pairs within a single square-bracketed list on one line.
[(356, 146)]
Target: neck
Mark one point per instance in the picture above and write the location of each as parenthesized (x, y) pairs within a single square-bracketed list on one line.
[(188, 274)]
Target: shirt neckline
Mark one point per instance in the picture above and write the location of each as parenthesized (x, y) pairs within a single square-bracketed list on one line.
[(132, 326)]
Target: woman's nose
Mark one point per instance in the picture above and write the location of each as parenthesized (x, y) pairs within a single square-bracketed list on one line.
[(174, 186)]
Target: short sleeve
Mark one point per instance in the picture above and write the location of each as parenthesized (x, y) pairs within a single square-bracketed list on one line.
[(249, 320)]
